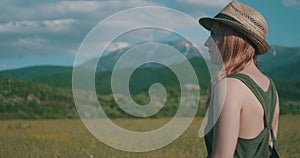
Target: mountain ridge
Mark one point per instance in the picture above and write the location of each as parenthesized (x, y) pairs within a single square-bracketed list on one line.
[(268, 63)]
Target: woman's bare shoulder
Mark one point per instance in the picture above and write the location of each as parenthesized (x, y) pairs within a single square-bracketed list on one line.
[(231, 89), (233, 85)]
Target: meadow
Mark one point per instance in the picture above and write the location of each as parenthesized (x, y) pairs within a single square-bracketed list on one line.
[(70, 138)]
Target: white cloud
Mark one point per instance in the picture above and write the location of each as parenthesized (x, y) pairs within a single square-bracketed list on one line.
[(62, 24), (116, 45), (73, 6), (17, 26), (291, 3), (30, 42), (98, 8), (34, 26), (205, 3), (59, 26), (160, 17)]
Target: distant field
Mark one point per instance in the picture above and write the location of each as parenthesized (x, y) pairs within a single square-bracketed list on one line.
[(69, 138)]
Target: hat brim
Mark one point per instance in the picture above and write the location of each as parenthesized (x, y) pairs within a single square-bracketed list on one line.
[(261, 44)]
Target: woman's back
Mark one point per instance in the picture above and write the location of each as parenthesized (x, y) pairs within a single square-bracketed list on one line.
[(258, 117), (252, 114)]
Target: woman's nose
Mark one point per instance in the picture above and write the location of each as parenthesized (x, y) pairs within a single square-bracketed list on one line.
[(208, 42)]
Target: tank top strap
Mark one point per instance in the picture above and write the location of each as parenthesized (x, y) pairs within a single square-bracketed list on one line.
[(273, 100)]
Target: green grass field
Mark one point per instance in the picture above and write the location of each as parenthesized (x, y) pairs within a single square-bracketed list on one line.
[(69, 138)]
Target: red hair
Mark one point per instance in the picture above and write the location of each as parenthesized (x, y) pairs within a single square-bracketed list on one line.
[(236, 51)]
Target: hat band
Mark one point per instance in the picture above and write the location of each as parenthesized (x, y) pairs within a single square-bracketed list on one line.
[(224, 16)]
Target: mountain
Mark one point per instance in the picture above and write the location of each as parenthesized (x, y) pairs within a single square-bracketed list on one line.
[(140, 80), (30, 73), (44, 92), (107, 62), (281, 62)]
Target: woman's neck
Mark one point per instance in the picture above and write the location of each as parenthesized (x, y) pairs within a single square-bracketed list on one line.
[(250, 68)]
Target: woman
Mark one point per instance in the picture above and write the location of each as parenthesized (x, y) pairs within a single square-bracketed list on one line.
[(248, 121)]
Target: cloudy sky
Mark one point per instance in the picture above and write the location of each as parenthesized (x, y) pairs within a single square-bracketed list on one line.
[(49, 32)]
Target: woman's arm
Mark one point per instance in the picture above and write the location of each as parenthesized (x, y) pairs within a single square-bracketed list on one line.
[(227, 127)]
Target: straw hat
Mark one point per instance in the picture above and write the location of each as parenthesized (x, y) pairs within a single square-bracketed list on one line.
[(245, 20)]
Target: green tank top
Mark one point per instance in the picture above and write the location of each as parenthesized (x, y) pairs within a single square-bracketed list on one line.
[(257, 147)]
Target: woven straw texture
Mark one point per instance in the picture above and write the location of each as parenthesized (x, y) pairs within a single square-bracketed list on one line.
[(244, 19)]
